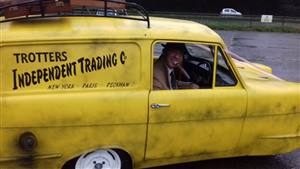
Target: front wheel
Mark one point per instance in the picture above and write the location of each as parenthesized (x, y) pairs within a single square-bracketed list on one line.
[(101, 159)]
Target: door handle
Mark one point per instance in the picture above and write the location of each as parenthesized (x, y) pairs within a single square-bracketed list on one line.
[(156, 106)]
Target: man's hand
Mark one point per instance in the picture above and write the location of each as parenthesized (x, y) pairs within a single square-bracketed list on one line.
[(187, 85), (194, 86)]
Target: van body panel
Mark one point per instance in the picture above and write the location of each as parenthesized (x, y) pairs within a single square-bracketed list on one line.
[(81, 84)]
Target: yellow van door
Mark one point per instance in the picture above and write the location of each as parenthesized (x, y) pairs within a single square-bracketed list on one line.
[(196, 121), (193, 122)]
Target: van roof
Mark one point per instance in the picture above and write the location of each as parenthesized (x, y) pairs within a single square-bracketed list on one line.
[(81, 28)]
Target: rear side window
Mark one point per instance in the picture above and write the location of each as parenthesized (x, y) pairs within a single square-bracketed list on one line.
[(224, 76)]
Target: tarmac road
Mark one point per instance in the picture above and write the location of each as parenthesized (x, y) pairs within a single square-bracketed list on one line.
[(281, 51)]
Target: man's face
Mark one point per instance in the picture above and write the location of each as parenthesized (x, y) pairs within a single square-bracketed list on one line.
[(173, 58)]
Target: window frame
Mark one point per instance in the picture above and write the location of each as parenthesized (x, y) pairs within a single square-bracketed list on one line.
[(229, 64), (214, 45)]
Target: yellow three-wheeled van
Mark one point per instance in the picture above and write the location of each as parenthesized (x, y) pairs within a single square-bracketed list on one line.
[(78, 91)]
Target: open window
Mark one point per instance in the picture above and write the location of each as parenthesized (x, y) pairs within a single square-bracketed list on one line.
[(196, 67)]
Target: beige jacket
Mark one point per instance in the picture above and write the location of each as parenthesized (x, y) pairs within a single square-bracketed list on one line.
[(160, 78)]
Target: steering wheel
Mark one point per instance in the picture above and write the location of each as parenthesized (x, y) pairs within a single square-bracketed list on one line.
[(207, 65), (200, 73)]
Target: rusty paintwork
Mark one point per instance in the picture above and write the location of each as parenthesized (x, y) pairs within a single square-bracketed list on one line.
[(97, 107)]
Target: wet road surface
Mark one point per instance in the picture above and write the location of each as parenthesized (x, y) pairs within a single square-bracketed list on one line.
[(280, 51)]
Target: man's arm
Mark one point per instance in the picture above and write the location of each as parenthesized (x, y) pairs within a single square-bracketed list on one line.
[(187, 85), (157, 85)]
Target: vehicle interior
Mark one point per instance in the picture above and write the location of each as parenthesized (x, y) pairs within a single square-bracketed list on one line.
[(198, 66)]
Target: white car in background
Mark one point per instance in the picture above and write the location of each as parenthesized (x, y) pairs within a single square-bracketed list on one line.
[(230, 12)]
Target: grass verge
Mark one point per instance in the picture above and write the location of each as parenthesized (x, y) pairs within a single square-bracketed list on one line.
[(258, 28), (245, 23)]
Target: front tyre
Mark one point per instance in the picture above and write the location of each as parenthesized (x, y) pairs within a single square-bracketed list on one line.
[(100, 159)]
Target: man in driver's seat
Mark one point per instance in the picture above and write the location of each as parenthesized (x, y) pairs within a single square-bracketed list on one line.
[(166, 67)]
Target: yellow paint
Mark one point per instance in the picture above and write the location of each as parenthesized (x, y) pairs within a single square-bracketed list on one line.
[(109, 107)]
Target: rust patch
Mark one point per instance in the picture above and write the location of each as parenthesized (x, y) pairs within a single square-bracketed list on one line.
[(27, 162), (208, 115), (294, 109), (278, 105)]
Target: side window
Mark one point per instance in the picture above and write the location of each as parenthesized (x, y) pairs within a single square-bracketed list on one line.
[(224, 76), (182, 66)]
